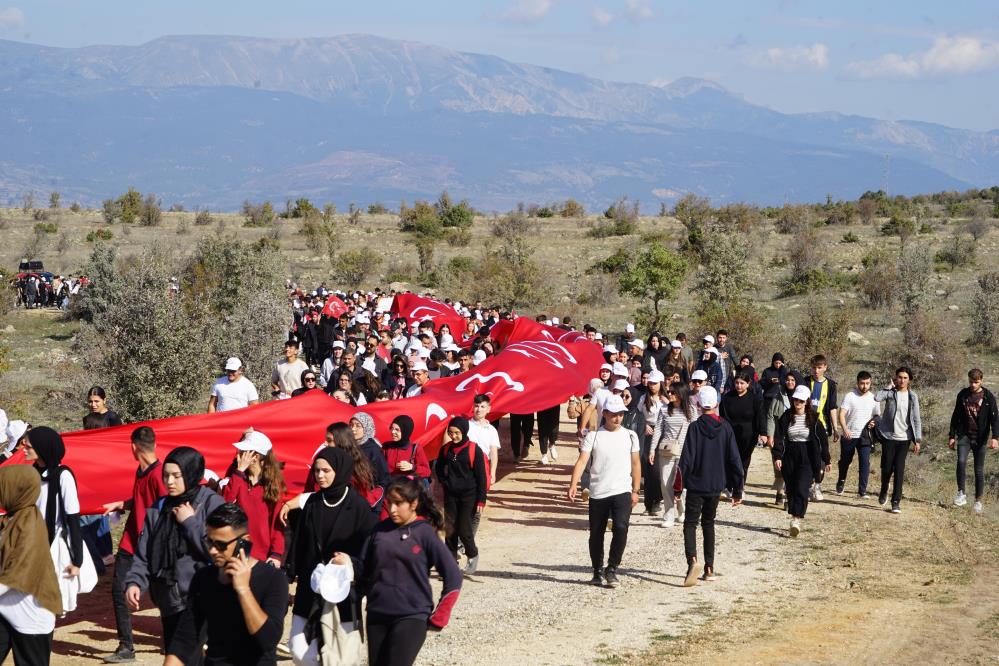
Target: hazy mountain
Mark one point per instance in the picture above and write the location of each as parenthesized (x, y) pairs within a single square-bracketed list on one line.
[(215, 120)]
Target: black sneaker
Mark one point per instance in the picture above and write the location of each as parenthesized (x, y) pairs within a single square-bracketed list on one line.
[(883, 499), (122, 655), (895, 508), (597, 579), (610, 575), (779, 497), (840, 485)]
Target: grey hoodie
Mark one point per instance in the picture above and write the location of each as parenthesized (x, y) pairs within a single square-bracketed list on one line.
[(886, 426)]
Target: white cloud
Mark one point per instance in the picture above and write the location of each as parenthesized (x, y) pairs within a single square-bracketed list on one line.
[(639, 9), (527, 11), (601, 16), (11, 18), (947, 56), (815, 56)]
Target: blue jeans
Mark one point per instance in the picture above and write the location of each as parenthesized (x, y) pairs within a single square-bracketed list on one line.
[(847, 447)]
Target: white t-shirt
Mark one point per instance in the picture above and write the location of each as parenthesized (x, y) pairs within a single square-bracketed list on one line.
[(233, 395), (288, 376), (70, 498), (901, 415), (485, 436), (24, 613), (610, 456), (414, 391), (599, 400), (858, 410)]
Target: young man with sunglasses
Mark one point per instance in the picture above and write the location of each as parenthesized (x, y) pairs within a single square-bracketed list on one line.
[(236, 607)]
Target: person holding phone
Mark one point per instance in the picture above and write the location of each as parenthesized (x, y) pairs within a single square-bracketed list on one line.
[(237, 606)]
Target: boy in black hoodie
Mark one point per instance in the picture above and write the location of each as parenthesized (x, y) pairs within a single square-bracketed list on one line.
[(461, 470), (709, 464)]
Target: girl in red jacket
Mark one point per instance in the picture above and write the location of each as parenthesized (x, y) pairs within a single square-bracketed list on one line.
[(404, 457), (256, 483)]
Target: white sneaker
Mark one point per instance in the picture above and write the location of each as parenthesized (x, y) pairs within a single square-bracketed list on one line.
[(817, 493), (679, 519), (553, 452), (960, 499), (978, 506), (544, 460), (725, 495), (795, 527)]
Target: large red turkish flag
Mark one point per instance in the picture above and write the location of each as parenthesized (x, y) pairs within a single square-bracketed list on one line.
[(421, 308)]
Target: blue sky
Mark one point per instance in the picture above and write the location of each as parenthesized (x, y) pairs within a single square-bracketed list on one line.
[(930, 61)]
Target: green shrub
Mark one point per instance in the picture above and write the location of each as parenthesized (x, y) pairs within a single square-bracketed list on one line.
[(823, 330), (202, 218), (452, 214), (353, 266), (258, 215), (878, 281), (958, 252), (459, 237), (903, 227), (572, 208), (544, 212), (928, 349), (100, 234), (75, 207), (985, 311), (621, 219), (46, 227), (850, 237), (377, 208)]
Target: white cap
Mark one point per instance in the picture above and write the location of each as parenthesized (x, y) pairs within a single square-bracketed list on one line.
[(608, 367), (630, 328), (338, 344), (255, 441), (620, 370), (478, 357), (708, 397), (621, 385), (636, 343), (676, 344), (710, 339), (615, 405), (446, 339), (802, 393), (713, 350), (416, 366), (15, 431), (656, 376), (598, 336), (233, 363), (699, 375), (610, 348), (555, 321), (362, 318), (331, 582)]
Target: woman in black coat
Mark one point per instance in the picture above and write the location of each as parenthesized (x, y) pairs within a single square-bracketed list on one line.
[(801, 449), (743, 409), (333, 525)]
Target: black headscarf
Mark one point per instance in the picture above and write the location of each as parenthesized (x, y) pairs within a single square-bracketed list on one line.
[(343, 466), (50, 449), (461, 423), (166, 543), (406, 426)]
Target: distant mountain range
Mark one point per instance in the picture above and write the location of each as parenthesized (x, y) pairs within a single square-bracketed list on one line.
[(215, 120)]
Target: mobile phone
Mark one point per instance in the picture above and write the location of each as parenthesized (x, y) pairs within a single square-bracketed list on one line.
[(243, 546)]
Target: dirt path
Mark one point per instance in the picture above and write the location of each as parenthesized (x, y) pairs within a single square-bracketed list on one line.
[(859, 585)]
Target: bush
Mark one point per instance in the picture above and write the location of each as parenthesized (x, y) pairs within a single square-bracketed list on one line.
[(792, 219), (654, 277), (850, 237), (878, 281), (459, 237), (572, 208), (958, 252), (513, 224), (915, 267), (353, 266), (903, 227), (75, 207), (621, 219), (454, 215), (748, 325), (823, 330), (258, 215), (110, 210), (202, 218), (928, 348), (978, 227), (183, 228), (409, 217), (46, 228), (985, 311), (130, 206), (739, 217), (100, 234), (926, 228), (544, 212), (377, 208), (40, 215)]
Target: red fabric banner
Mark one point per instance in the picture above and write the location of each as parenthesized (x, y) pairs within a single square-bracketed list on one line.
[(334, 307), (419, 308), (538, 367)]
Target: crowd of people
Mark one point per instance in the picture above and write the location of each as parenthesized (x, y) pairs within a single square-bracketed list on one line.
[(662, 423), (45, 290)]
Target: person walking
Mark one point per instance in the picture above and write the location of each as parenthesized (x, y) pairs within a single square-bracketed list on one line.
[(826, 404), (776, 408), (743, 410), (709, 463), (800, 439), (650, 405), (667, 446), (900, 425), (29, 591), (146, 490), (974, 422), (171, 544), (615, 475), (395, 576), (461, 470), (856, 420), (232, 391), (256, 484)]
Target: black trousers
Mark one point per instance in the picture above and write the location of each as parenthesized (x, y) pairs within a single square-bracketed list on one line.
[(459, 508), (746, 454), (122, 614), (395, 642), (965, 445), (893, 454), (29, 649), (797, 484), (652, 475), (521, 429), (847, 448), (618, 509), (700, 508), (548, 428)]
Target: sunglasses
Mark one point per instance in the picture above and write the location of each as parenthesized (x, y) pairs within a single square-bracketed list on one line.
[(310, 379), (696, 381), (220, 546)]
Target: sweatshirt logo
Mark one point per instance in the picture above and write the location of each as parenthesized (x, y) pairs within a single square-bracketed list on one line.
[(416, 549)]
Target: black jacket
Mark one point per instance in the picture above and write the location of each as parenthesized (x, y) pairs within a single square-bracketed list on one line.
[(988, 417), (772, 389), (815, 453), (462, 470), (710, 461)]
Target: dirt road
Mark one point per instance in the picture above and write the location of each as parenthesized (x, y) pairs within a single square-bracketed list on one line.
[(859, 585)]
